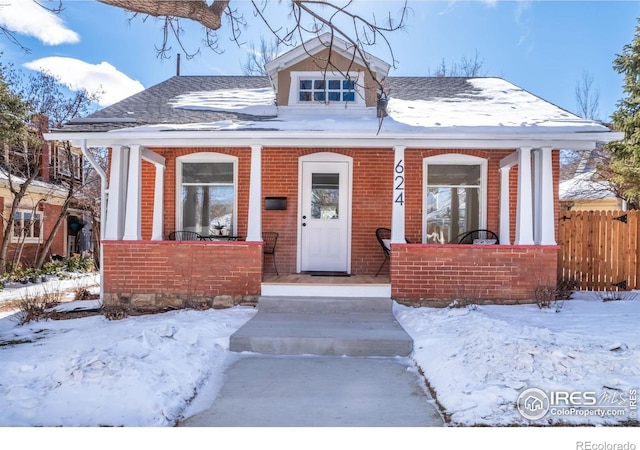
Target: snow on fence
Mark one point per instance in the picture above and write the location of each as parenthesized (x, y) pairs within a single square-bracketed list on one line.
[(599, 250)]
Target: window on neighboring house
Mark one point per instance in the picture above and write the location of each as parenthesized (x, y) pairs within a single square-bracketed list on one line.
[(27, 227), (207, 193), (326, 90), (63, 162), (76, 160), (61, 166), (454, 197)]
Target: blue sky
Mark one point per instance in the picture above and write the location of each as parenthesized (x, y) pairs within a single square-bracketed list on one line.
[(542, 46)]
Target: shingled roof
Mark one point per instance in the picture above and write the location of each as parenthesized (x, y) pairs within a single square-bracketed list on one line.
[(154, 105)]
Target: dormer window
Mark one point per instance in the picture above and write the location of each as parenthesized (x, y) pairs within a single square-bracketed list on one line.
[(326, 90), (312, 89)]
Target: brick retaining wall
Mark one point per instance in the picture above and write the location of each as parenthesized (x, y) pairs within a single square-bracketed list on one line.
[(184, 274), (436, 275)]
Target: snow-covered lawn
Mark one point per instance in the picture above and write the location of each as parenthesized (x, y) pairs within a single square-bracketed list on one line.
[(150, 371), (479, 359)]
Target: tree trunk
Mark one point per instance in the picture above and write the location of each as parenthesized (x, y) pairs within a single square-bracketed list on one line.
[(198, 10), (8, 229), (42, 258)]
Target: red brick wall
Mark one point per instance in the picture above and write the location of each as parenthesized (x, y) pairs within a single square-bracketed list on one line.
[(148, 186), (434, 275), (371, 201), (51, 214), (30, 251), (181, 270), (147, 195), (414, 184)]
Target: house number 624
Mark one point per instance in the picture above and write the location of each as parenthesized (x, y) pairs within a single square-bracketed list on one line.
[(399, 183)]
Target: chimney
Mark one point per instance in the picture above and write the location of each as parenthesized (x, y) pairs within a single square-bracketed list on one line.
[(178, 66)]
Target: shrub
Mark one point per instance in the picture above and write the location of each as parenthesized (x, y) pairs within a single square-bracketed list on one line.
[(34, 307)]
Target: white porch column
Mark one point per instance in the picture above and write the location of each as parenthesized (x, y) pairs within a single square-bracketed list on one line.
[(536, 174), (398, 198), (505, 219), (547, 209), (158, 204), (524, 213), (132, 226), (254, 221), (114, 222)]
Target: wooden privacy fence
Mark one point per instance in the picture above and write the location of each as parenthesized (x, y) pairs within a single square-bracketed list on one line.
[(599, 249)]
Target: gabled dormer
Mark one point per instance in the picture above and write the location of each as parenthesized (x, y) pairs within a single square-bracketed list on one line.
[(326, 74)]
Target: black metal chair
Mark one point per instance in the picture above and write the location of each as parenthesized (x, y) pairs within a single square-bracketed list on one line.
[(383, 235), (486, 235), (184, 236), (270, 239)]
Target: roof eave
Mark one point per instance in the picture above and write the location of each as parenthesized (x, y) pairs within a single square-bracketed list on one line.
[(322, 138)]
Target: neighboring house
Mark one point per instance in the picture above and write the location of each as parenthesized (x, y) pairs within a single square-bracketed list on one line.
[(585, 192), (36, 215), (320, 159)]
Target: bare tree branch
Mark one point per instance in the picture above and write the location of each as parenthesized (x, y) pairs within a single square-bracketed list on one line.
[(587, 97), (207, 15)]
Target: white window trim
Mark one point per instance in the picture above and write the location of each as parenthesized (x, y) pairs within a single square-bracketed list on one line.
[(356, 77), (205, 157), (76, 161), (29, 240), (455, 159)]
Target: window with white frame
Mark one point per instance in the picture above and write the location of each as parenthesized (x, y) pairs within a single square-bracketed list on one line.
[(207, 194), (65, 163), (76, 161), (308, 88), (27, 226), (326, 90), (454, 197)]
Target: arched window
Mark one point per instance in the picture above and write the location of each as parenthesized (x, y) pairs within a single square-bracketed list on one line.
[(206, 193), (454, 197)]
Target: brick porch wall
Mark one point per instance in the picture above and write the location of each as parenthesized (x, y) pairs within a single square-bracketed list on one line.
[(435, 275), (168, 274)]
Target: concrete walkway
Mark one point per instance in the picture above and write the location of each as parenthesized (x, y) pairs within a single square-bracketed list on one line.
[(321, 362), (320, 391)]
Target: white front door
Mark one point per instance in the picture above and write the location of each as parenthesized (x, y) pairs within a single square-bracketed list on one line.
[(324, 217)]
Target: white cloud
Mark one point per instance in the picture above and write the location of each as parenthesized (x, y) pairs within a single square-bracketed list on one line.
[(77, 74), (29, 18)]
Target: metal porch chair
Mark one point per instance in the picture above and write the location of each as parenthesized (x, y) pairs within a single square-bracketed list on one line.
[(270, 239), (383, 235), (486, 235), (184, 236)]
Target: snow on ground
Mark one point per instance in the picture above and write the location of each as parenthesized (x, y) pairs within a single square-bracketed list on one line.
[(150, 371), (73, 281), (479, 359)]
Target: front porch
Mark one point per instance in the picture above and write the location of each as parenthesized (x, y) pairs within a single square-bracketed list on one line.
[(201, 274)]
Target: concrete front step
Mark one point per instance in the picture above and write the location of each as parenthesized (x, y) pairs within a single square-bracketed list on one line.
[(324, 305), (320, 326)]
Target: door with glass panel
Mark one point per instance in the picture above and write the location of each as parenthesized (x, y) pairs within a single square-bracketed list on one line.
[(324, 218)]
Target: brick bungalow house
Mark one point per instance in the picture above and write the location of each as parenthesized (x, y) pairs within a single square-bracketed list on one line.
[(320, 158)]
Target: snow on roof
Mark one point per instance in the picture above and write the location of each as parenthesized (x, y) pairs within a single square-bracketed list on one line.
[(584, 186), (255, 102), (493, 103)]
